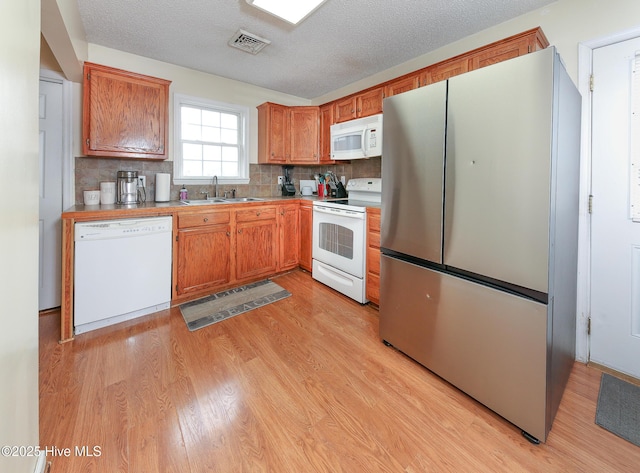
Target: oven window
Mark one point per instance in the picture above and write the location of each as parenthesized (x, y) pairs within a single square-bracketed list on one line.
[(336, 239)]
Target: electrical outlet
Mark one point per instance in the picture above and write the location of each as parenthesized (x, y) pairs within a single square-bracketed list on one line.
[(280, 180), (142, 181)]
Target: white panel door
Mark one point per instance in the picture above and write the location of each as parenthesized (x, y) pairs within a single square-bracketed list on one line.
[(50, 248), (615, 238)]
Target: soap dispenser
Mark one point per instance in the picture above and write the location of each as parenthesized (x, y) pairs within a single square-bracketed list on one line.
[(183, 193)]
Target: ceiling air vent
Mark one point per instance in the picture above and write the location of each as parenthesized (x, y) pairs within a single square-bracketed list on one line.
[(248, 42)]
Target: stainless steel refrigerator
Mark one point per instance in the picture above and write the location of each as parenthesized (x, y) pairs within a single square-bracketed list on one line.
[(480, 231)]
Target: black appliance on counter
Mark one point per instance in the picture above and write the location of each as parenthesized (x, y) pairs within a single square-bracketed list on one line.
[(287, 186)]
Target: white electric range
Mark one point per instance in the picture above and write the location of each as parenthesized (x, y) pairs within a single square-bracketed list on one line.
[(340, 238)]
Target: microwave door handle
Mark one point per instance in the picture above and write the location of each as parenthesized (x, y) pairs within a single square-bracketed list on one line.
[(364, 142)]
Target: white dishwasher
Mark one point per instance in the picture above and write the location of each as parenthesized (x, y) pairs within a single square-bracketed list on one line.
[(122, 270)]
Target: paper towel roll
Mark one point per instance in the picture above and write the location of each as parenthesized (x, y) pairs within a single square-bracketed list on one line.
[(163, 187)]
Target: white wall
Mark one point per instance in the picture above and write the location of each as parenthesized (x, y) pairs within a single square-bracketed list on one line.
[(19, 70)]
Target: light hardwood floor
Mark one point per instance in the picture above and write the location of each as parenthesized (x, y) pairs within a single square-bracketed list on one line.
[(301, 385)]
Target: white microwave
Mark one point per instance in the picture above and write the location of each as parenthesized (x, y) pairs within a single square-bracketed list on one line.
[(357, 139)]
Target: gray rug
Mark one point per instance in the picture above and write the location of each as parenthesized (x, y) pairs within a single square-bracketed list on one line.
[(227, 304), (618, 408)]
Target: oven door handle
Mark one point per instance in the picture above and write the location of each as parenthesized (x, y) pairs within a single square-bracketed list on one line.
[(340, 212)]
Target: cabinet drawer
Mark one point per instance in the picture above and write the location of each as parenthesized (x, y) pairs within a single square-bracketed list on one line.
[(203, 218), (255, 213)]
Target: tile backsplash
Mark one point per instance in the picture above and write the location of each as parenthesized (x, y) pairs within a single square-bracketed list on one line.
[(263, 177)]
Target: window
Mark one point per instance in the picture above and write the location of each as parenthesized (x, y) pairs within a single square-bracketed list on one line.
[(211, 140)]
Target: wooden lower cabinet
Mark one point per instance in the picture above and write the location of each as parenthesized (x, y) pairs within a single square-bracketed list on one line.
[(306, 235), (289, 238), (203, 251), (256, 242), (373, 255)]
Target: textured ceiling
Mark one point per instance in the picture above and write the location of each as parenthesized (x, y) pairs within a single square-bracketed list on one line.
[(342, 42)]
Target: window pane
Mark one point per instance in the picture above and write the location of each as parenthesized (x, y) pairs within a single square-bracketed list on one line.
[(229, 136), (229, 154), (211, 153), (229, 121), (211, 134), (191, 132), (191, 151), (229, 169), (191, 115), (212, 168), (192, 168), (210, 118)]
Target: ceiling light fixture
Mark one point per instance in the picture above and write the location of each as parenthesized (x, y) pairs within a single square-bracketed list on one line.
[(293, 11)]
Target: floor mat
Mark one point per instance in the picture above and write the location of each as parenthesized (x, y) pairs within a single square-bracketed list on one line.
[(618, 408), (226, 304)]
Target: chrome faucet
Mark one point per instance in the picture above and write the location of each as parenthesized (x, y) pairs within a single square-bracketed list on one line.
[(214, 182)]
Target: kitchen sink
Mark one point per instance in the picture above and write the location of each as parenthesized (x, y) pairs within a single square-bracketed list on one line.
[(202, 202), (219, 200), (244, 199)]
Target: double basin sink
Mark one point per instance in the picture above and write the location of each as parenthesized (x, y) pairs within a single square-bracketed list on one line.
[(219, 200)]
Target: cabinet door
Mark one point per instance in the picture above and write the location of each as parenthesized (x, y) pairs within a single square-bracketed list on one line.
[(369, 103), (501, 52), (306, 235), (304, 130), (404, 84), (289, 236), (345, 109), (273, 133), (326, 120), (256, 242), (373, 255), (514, 46), (446, 69), (203, 258), (124, 114)]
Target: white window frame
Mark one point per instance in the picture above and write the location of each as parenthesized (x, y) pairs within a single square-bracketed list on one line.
[(243, 149)]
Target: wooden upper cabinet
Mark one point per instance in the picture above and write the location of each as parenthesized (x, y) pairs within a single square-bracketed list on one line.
[(288, 135), (369, 103), (514, 46), (345, 109), (273, 133), (508, 48), (304, 128), (326, 120), (360, 105), (444, 70), (125, 115), (403, 84)]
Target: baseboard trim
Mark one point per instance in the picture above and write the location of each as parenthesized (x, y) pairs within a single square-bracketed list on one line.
[(42, 466), (612, 372)]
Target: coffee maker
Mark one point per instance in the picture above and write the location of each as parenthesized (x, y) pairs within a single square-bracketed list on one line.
[(127, 188), (287, 186)]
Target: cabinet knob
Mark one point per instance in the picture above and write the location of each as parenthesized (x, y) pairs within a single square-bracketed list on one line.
[(282, 212), (228, 233), (240, 231), (205, 219), (258, 214)]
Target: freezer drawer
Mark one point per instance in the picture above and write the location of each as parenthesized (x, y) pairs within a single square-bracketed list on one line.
[(490, 344)]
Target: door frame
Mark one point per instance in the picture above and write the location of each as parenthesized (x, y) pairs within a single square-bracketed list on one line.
[(68, 163), (585, 67)]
